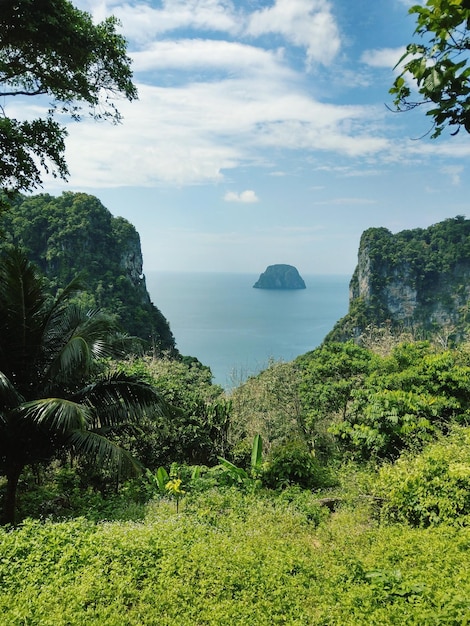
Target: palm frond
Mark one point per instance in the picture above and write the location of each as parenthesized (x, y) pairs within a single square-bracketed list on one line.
[(63, 324), (56, 414), (9, 396), (74, 358), (75, 339), (100, 331), (120, 398), (22, 303), (94, 445)]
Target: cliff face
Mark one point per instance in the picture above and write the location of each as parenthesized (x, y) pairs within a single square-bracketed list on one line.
[(416, 279), (280, 277), (74, 234)]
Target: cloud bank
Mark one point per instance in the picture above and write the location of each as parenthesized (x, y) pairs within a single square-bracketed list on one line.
[(226, 85)]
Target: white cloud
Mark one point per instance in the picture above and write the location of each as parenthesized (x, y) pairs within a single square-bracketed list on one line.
[(327, 128), (208, 54), (141, 22), (306, 23), (454, 149), (245, 197), (346, 201), (229, 104), (197, 132), (454, 172), (384, 57), (409, 3)]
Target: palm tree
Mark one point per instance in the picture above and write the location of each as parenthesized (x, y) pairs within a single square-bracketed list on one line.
[(51, 395)]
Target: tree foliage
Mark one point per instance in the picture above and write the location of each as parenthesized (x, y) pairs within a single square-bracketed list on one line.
[(194, 430), (75, 234), (269, 405), (377, 406), (54, 52), (51, 395), (416, 280), (439, 65), (330, 375)]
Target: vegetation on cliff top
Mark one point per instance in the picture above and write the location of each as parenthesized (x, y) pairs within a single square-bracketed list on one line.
[(75, 235), (432, 265)]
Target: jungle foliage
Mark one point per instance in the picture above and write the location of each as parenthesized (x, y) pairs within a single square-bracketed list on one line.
[(351, 507), (194, 430), (332, 490), (384, 404), (431, 263), (54, 396), (228, 558), (75, 235)]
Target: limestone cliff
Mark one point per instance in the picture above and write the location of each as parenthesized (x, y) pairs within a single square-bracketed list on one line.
[(280, 277), (74, 234), (417, 279)]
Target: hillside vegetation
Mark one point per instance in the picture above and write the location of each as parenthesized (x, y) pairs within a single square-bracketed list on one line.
[(352, 508), (74, 234), (416, 280), (330, 490), (234, 559)]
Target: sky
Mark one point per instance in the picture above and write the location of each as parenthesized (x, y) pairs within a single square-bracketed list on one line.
[(263, 135)]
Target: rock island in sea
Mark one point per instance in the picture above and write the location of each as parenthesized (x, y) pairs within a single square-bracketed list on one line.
[(280, 277)]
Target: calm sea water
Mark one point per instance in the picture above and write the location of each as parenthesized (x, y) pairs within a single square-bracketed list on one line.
[(235, 329)]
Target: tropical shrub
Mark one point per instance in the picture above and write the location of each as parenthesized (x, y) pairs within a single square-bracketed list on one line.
[(234, 558), (269, 405), (431, 488), (329, 377), (408, 399), (292, 463), (194, 429)]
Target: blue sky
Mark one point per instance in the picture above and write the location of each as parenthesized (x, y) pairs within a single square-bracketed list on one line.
[(261, 135)]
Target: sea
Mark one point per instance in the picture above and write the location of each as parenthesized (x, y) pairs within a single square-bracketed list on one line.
[(237, 330)]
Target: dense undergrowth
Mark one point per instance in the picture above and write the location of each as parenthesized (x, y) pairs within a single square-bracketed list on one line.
[(386, 544), (234, 558), (330, 491)]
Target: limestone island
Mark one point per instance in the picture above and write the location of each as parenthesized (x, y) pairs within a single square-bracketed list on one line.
[(280, 277)]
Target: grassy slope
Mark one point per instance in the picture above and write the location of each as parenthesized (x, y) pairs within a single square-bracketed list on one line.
[(234, 559)]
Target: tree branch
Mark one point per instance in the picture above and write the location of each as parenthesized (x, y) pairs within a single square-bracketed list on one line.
[(37, 92)]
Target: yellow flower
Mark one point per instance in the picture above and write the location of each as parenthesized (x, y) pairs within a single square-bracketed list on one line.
[(174, 486)]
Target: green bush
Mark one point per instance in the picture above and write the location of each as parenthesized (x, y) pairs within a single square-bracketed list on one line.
[(230, 558), (57, 492), (432, 487), (292, 463), (305, 502)]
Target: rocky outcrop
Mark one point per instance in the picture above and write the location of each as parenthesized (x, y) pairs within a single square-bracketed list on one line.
[(74, 234), (280, 277), (417, 279)]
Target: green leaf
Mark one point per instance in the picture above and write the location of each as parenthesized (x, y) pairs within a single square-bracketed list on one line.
[(256, 452), (162, 478)]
